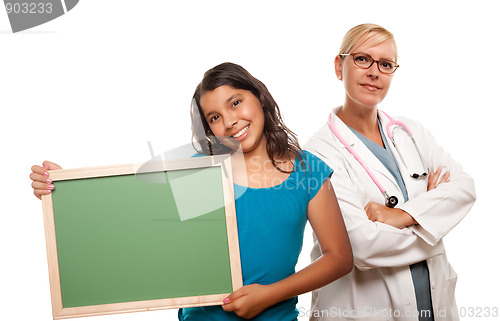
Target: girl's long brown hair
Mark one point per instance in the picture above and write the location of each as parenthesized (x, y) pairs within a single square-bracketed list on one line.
[(281, 141)]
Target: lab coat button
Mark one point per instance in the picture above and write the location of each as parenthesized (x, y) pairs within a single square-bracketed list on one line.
[(433, 285)]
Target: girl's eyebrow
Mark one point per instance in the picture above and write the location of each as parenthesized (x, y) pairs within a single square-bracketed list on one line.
[(232, 97)]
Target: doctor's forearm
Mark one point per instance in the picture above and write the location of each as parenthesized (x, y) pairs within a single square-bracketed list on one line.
[(376, 244), (391, 216), (438, 211)]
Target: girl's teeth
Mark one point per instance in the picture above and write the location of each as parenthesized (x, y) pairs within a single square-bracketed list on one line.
[(241, 132)]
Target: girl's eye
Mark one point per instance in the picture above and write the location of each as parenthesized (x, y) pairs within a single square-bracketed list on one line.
[(235, 103), (214, 118)]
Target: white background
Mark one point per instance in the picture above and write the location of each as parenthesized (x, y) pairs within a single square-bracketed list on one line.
[(95, 85)]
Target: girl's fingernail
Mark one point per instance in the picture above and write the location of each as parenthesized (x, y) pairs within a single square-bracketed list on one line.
[(46, 174), (51, 186), (48, 191), (49, 180), (226, 300)]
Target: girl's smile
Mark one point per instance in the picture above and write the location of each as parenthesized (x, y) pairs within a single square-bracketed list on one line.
[(235, 113), (242, 134)]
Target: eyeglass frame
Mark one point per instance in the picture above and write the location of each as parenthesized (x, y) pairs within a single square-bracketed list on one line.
[(373, 61)]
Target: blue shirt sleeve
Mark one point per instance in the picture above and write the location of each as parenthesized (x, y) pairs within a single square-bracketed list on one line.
[(317, 171)]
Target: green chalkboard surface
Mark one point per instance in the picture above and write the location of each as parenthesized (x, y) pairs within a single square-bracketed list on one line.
[(135, 242)]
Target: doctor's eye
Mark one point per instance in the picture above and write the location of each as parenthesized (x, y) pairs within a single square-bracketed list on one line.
[(388, 65), (363, 60), (360, 58)]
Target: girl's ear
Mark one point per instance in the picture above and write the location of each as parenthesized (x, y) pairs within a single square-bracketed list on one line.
[(338, 67)]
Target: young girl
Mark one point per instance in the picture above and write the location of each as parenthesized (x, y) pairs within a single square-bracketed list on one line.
[(285, 187)]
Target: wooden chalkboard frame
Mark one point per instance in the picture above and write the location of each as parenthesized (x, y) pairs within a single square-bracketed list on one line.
[(59, 312)]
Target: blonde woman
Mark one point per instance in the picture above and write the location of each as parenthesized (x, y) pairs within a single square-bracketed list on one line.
[(398, 199)]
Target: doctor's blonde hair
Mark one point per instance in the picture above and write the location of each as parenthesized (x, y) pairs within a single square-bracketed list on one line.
[(363, 33)]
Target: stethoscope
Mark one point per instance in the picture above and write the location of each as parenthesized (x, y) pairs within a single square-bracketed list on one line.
[(390, 201)]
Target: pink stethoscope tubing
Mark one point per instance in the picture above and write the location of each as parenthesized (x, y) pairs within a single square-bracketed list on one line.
[(390, 201), (390, 133), (395, 122)]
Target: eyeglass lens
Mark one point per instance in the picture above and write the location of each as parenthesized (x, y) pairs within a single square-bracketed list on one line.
[(365, 61)]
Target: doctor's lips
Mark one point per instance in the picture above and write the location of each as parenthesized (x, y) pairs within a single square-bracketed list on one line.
[(370, 87)]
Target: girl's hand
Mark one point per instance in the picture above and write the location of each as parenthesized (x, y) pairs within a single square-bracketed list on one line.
[(249, 300), (392, 216), (335, 261), (432, 182), (42, 184)]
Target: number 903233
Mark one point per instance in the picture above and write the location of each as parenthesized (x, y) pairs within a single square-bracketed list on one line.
[(29, 7), (478, 312)]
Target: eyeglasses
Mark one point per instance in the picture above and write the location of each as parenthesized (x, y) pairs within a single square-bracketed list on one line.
[(365, 61)]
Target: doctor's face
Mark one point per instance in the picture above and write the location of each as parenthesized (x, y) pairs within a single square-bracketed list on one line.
[(366, 87)]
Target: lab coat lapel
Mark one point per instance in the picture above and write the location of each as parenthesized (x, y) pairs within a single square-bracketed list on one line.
[(364, 153)]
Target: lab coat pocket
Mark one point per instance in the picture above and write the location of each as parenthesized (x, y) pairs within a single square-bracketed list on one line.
[(451, 282)]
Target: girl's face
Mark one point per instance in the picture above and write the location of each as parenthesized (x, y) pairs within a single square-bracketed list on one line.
[(235, 113), (366, 87)]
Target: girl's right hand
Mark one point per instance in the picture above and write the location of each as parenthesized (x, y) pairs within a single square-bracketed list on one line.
[(249, 300), (42, 184)]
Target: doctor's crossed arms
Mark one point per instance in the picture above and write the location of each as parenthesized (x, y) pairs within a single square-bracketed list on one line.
[(396, 217)]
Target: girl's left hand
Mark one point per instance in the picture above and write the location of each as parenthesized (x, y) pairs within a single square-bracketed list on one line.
[(248, 301), (392, 216)]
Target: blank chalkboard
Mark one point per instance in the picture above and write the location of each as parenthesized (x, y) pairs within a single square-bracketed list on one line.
[(135, 238)]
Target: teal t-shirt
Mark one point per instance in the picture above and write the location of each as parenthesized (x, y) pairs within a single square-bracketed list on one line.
[(271, 224)]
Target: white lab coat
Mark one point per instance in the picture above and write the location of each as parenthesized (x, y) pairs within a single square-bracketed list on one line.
[(380, 286)]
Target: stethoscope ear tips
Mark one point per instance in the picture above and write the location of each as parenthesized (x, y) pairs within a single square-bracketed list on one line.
[(391, 201)]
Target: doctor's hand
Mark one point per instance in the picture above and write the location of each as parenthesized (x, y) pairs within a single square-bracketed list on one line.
[(249, 300), (432, 182), (392, 216), (42, 184)]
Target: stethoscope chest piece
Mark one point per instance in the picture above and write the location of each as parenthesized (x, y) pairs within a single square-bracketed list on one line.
[(391, 201)]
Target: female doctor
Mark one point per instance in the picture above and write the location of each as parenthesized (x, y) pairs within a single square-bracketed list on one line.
[(398, 199)]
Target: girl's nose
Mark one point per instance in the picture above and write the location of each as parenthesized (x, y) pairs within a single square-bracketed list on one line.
[(230, 122)]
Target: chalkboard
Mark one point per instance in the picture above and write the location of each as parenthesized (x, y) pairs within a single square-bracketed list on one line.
[(135, 238)]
